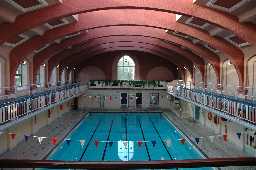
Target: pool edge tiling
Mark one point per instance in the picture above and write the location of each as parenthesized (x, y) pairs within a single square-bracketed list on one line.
[(66, 135), (188, 139)]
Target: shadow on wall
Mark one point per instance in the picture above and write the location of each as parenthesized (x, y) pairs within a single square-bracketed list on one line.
[(160, 73), (91, 73)]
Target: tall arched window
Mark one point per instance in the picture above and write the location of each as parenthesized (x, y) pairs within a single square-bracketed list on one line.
[(229, 78), (211, 77), (126, 68), (21, 75), (252, 77), (53, 78), (198, 80), (63, 76), (40, 76)]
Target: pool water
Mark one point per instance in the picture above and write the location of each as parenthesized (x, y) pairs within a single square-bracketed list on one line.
[(124, 137)]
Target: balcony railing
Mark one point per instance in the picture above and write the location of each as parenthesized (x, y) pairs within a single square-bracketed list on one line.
[(13, 110), (127, 84), (242, 111), (250, 164)]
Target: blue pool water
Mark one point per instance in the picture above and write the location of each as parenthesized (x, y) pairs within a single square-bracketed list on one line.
[(112, 129)]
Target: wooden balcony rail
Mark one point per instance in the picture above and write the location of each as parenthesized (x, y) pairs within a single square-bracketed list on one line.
[(213, 162)]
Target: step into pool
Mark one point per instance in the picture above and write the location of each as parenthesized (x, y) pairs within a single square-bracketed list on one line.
[(125, 137)]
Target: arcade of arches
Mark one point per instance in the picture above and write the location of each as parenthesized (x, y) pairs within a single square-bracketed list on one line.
[(202, 44)]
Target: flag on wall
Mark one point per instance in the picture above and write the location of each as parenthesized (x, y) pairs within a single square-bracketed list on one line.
[(40, 139), (211, 138), (35, 119), (54, 140), (26, 137), (49, 113), (61, 107), (251, 139), (197, 140), (238, 135), (225, 137), (12, 135)]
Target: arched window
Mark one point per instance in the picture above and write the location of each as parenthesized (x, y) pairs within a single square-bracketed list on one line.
[(126, 68), (21, 76), (198, 77), (40, 76), (211, 77), (230, 79), (252, 77), (70, 76), (63, 77), (2, 73), (53, 78)]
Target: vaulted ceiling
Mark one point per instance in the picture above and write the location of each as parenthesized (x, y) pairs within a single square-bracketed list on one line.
[(186, 32)]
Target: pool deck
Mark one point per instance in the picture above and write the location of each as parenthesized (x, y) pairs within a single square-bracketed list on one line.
[(215, 149), (31, 149)]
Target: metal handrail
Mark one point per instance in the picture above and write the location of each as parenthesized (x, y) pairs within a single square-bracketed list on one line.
[(27, 91), (212, 162), (240, 111), (127, 84), (37, 91), (17, 109)]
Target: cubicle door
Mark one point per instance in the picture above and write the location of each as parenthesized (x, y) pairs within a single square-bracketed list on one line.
[(124, 99), (154, 99), (197, 113), (132, 101), (138, 100)]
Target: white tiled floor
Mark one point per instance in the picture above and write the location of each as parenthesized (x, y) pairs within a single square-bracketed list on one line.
[(33, 150), (212, 149)]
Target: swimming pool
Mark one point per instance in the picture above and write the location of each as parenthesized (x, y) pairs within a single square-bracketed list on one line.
[(124, 137)]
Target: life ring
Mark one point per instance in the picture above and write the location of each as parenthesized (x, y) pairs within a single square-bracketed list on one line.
[(210, 116)]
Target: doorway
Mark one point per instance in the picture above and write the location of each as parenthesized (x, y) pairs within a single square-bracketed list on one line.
[(124, 100), (138, 100)]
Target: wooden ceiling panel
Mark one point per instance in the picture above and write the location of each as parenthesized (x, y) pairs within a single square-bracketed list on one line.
[(226, 3), (27, 3), (237, 40), (197, 21)]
